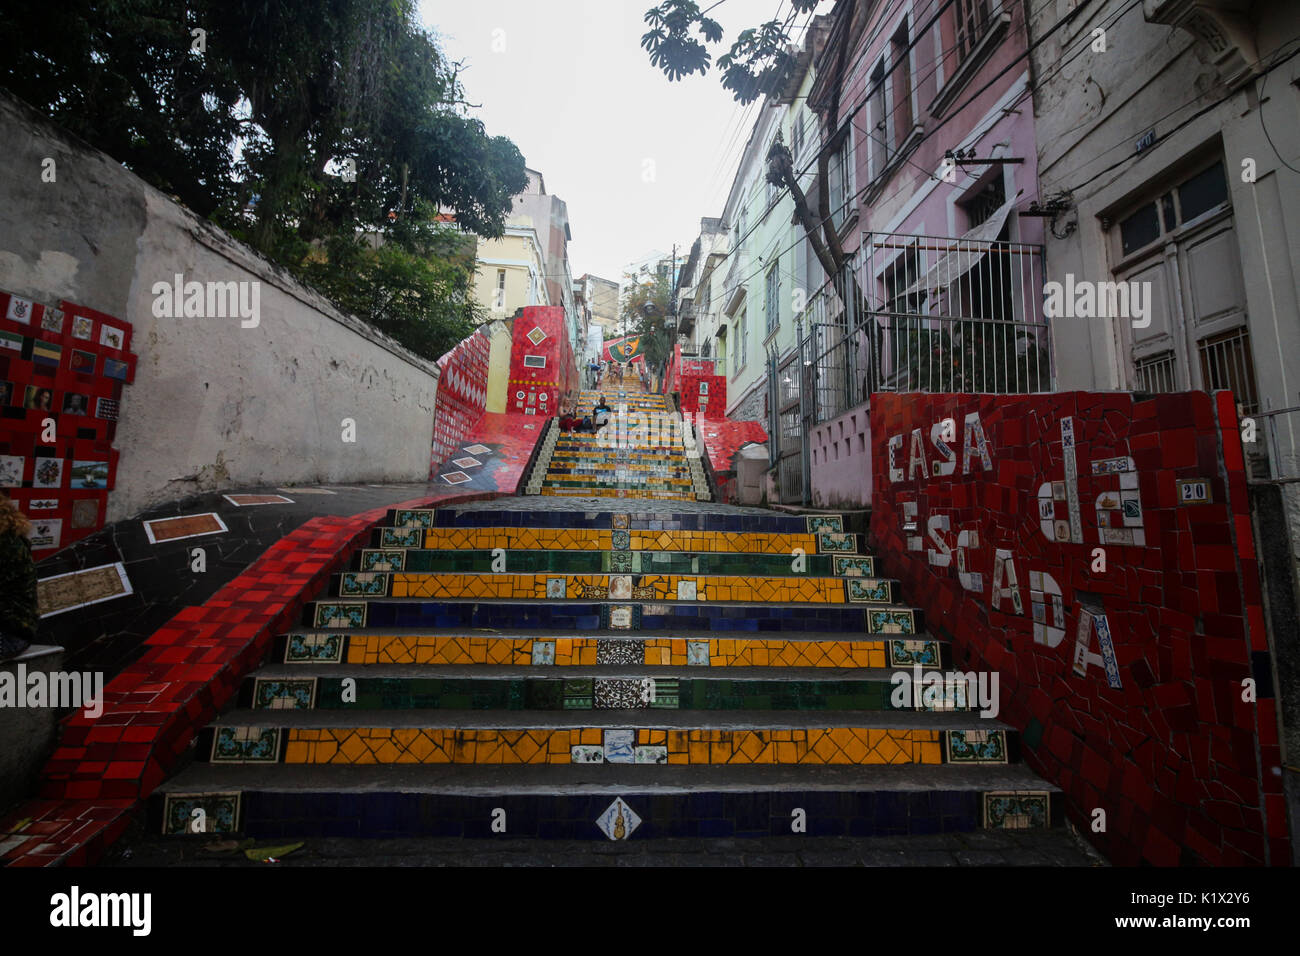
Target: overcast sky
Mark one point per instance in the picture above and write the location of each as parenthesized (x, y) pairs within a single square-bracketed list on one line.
[(638, 159)]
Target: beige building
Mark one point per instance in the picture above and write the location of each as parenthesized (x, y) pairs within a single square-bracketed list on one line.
[(511, 271)]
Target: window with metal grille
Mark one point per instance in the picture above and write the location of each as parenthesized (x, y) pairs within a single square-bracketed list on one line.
[(981, 206), (973, 18), (1156, 373), (1226, 363), (772, 298), (901, 76), (1194, 197)]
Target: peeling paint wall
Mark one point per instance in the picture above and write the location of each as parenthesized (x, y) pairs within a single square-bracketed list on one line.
[(214, 405)]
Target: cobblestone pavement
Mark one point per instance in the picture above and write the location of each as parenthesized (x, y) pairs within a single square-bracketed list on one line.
[(1052, 848)]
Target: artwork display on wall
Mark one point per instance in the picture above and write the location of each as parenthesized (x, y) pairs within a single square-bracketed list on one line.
[(66, 365)]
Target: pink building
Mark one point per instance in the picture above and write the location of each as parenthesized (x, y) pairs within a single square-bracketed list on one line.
[(928, 126)]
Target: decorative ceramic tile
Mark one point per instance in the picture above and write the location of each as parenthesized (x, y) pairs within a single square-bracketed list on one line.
[(620, 540), (1017, 810), (466, 462), (85, 513), (620, 587), (455, 478), (619, 651), (820, 523), (536, 336), (891, 622), (246, 501), (854, 566), (618, 821), (340, 615), (620, 561), (11, 471), (579, 694), (363, 584), (687, 590), (617, 693), (697, 653), (184, 526), (586, 754), (246, 745), (218, 813), (619, 746), (477, 449), (76, 589), (907, 653), (382, 560), (543, 652), (280, 694), (841, 543), (313, 649), (413, 518), (868, 590), (401, 538), (652, 754), (620, 617), (556, 588), (620, 521), (975, 746)]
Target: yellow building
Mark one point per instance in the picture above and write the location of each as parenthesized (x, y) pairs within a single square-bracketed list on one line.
[(511, 270)]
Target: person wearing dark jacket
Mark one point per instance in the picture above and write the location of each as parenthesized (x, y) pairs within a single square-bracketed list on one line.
[(19, 611)]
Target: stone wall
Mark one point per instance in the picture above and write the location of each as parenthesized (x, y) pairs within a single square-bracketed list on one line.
[(217, 402)]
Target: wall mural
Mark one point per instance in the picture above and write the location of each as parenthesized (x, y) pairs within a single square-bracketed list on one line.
[(542, 365), (1058, 539), (62, 371), (461, 398)]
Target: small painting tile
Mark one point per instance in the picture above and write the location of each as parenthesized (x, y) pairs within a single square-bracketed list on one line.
[(818, 524), (868, 591), (77, 589), (837, 543), (401, 537), (854, 566), (313, 649), (620, 617), (1017, 810), (273, 693), (246, 745), (375, 560), (183, 526), (618, 821), (620, 540), (466, 462), (620, 522), (455, 478), (556, 588), (195, 813), (891, 622), (620, 587), (976, 746), (619, 746), (620, 561), (413, 518), (85, 513), (697, 653), (340, 615), (580, 753), (651, 754), (908, 653), (363, 584), (246, 501), (687, 590), (619, 651), (543, 652)]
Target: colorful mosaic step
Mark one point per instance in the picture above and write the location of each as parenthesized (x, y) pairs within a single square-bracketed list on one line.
[(514, 688), (718, 518), (550, 737), (792, 545), (498, 614), (583, 561), (684, 649), (785, 589), (560, 802)]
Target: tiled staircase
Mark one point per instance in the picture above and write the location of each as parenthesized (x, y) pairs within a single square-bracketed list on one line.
[(703, 672), (641, 453)]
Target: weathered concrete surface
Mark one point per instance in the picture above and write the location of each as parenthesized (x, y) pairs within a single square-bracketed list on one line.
[(214, 405)]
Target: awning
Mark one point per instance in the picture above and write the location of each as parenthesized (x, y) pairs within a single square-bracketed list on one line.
[(968, 250)]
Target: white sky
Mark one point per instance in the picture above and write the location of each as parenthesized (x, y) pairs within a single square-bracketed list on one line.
[(576, 92)]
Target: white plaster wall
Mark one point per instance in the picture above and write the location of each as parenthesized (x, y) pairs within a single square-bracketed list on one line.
[(213, 405)]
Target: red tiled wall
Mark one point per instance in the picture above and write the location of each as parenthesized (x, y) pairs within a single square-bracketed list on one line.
[(722, 438), (462, 396), (704, 394), (1162, 740), (535, 390), (64, 351)]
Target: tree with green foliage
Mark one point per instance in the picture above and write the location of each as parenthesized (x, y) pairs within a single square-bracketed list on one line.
[(647, 312), (305, 127)]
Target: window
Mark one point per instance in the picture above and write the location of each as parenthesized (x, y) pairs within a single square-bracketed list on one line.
[(842, 180), (1226, 363), (797, 136), (973, 19), (878, 149), (1156, 373), (740, 343), (981, 207), (901, 77), (772, 297), (1194, 197)]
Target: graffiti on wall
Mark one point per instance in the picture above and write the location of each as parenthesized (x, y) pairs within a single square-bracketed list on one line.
[(1054, 539)]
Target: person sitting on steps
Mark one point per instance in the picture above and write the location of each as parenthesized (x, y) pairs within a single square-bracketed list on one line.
[(601, 413)]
